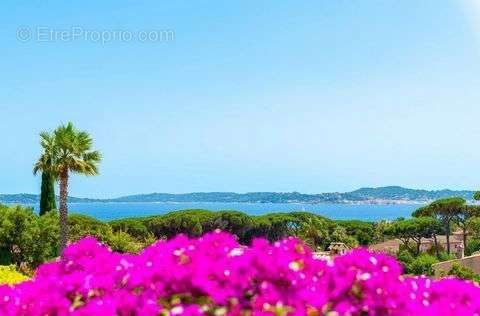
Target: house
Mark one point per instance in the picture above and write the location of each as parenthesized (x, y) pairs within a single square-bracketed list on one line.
[(472, 262), (334, 249), (456, 243), (338, 248), (389, 247), (393, 245)]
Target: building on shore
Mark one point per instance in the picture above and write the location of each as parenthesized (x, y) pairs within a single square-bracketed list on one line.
[(338, 248), (334, 249), (472, 262), (392, 246)]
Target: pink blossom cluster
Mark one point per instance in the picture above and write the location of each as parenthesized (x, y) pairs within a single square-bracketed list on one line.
[(214, 275)]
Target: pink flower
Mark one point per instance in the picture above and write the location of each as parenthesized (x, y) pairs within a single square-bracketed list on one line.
[(214, 275)]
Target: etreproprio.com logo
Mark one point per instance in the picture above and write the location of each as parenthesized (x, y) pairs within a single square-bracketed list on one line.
[(79, 33)]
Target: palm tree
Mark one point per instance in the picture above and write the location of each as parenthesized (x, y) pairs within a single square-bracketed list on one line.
[(69, 150)]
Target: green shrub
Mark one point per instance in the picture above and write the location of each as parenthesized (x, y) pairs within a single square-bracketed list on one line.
[(340, 235), (410, 247), (26, 237), (134, 227), (82, 225), (462, 272), (472, 246), (18, 232), (5, 256), (123, 242), (363, 232), (440, 249), (188, 222), (48, 238), (276, 226), (422, 265), (234, 222), (445, 256), (405, 257), (314, 232)]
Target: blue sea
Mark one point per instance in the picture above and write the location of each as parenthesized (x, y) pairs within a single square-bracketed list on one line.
[(111, 211)]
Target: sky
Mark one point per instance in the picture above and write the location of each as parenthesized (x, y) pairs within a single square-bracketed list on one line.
[(308, 96)]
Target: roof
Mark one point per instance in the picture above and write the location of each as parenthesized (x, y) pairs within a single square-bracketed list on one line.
[(442, 239), (472, 262), (337, 245), (321, 254), (393, 244)]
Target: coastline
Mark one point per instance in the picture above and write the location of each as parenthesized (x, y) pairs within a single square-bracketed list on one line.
[(367, 202)]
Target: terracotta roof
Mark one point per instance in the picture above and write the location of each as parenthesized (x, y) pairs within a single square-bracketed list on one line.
[(393, 245), (389, 245), (442, 239)]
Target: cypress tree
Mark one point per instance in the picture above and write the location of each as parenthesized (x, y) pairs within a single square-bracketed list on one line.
[(47, 195)]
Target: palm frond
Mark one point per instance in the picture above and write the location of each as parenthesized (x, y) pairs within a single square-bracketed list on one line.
[(67, 149)]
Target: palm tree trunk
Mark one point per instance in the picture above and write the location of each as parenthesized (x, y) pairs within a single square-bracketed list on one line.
[(63, 210)]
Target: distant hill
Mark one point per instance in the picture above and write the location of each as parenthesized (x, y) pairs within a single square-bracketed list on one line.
[(19, 198), (399, 193), (24, 198), (389, 194)]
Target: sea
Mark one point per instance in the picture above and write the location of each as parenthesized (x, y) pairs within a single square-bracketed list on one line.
[(365, 212)]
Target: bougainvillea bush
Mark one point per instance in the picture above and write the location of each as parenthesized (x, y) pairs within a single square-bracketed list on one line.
[(214, 275)]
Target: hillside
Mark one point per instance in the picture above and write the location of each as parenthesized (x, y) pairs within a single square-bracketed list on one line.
[(389, 194)]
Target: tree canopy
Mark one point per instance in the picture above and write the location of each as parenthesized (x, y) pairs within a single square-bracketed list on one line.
[(446, 210)]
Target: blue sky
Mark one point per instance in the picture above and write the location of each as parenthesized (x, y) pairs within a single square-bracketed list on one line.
[(309, 96)]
